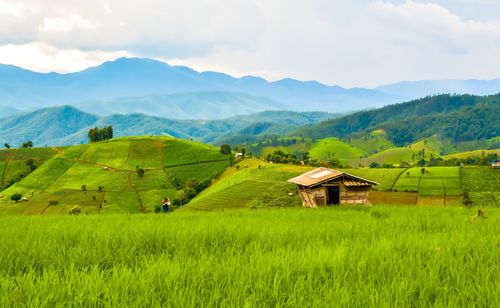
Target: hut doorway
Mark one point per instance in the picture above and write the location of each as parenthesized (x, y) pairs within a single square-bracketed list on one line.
[(333, 195)]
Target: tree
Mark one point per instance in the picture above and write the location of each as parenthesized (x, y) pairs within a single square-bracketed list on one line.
[(27, 145), (16, 197), (243, 152), (31, 164), (225, 149), (6, 145), (374, 164), (180, 197), (95, 134), (140, 172)]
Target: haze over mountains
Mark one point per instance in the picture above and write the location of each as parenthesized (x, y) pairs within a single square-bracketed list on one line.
[(66, 125), (135, 85)]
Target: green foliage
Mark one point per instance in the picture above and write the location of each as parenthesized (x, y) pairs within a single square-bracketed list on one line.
[(103, 178), (27, 145), (31, 164), (225, 149), (6, 145), (328, 148), (140, 172), (481, 185), (16, 197), (457, 117), (278, 258), (95, 134)]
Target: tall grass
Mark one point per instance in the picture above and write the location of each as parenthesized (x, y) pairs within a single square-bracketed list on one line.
[(288, 257)]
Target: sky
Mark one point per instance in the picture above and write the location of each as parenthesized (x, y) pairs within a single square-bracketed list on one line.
[(361, 43)]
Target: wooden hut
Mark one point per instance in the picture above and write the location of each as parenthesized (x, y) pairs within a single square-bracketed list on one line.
[(324, 187)]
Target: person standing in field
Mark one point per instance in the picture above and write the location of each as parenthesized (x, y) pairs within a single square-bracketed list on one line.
[(165, 205)]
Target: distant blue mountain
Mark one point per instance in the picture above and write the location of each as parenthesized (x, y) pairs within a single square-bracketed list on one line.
[(66, 125), (6, 111), (127, 83), (409, 90), (192, 105)]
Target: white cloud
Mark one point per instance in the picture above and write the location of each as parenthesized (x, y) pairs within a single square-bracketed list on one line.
[(66, 24), (14, 9), (44, 58), (351, 43)]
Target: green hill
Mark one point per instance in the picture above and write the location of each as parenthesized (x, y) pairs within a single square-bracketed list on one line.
[(467, 154), (67, 125), (329, 148), (43, 126), (372, 143), (456, 117), (16, 164), (103, 177)]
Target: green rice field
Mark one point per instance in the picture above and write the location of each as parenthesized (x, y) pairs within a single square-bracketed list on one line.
[(353, 257), (102, 177)]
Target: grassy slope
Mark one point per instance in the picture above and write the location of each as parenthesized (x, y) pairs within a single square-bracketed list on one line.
[(13, 165), (247, 185), (369, 257), (372, 144), (430, 146), (482, 185), (464, 155), (112, 165), (328, 148)]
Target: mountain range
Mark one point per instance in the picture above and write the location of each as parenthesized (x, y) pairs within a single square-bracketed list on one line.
[(67, 125), (131, 85)]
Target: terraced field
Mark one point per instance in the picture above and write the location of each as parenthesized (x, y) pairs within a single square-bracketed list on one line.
[(102, 177), (482, 185), (385, 177), (438, 185), (13, 165), (251, 183)]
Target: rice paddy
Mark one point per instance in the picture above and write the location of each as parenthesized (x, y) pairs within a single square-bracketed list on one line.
[(395, 256), (102, 177)]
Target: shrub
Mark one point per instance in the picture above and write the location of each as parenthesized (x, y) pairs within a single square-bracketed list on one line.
[(75, 211), (140, 172), (16, 197)]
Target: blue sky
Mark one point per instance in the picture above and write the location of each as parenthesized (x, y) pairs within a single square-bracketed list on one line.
[(349, 43)]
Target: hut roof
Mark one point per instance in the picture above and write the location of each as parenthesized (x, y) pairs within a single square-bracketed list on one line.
[(321, 175)]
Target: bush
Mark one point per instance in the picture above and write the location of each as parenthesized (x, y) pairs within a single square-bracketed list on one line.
[(75, 211), (16, 197), (140, 172)]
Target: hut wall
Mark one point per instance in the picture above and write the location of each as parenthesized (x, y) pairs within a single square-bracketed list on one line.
[(306, 199), (319, 195), (354, 195)]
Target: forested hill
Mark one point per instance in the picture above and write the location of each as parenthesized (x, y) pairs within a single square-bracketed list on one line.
[(67, 125), (458, 117)]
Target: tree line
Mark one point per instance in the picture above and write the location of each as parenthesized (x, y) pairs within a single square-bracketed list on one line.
[(100, 134)]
